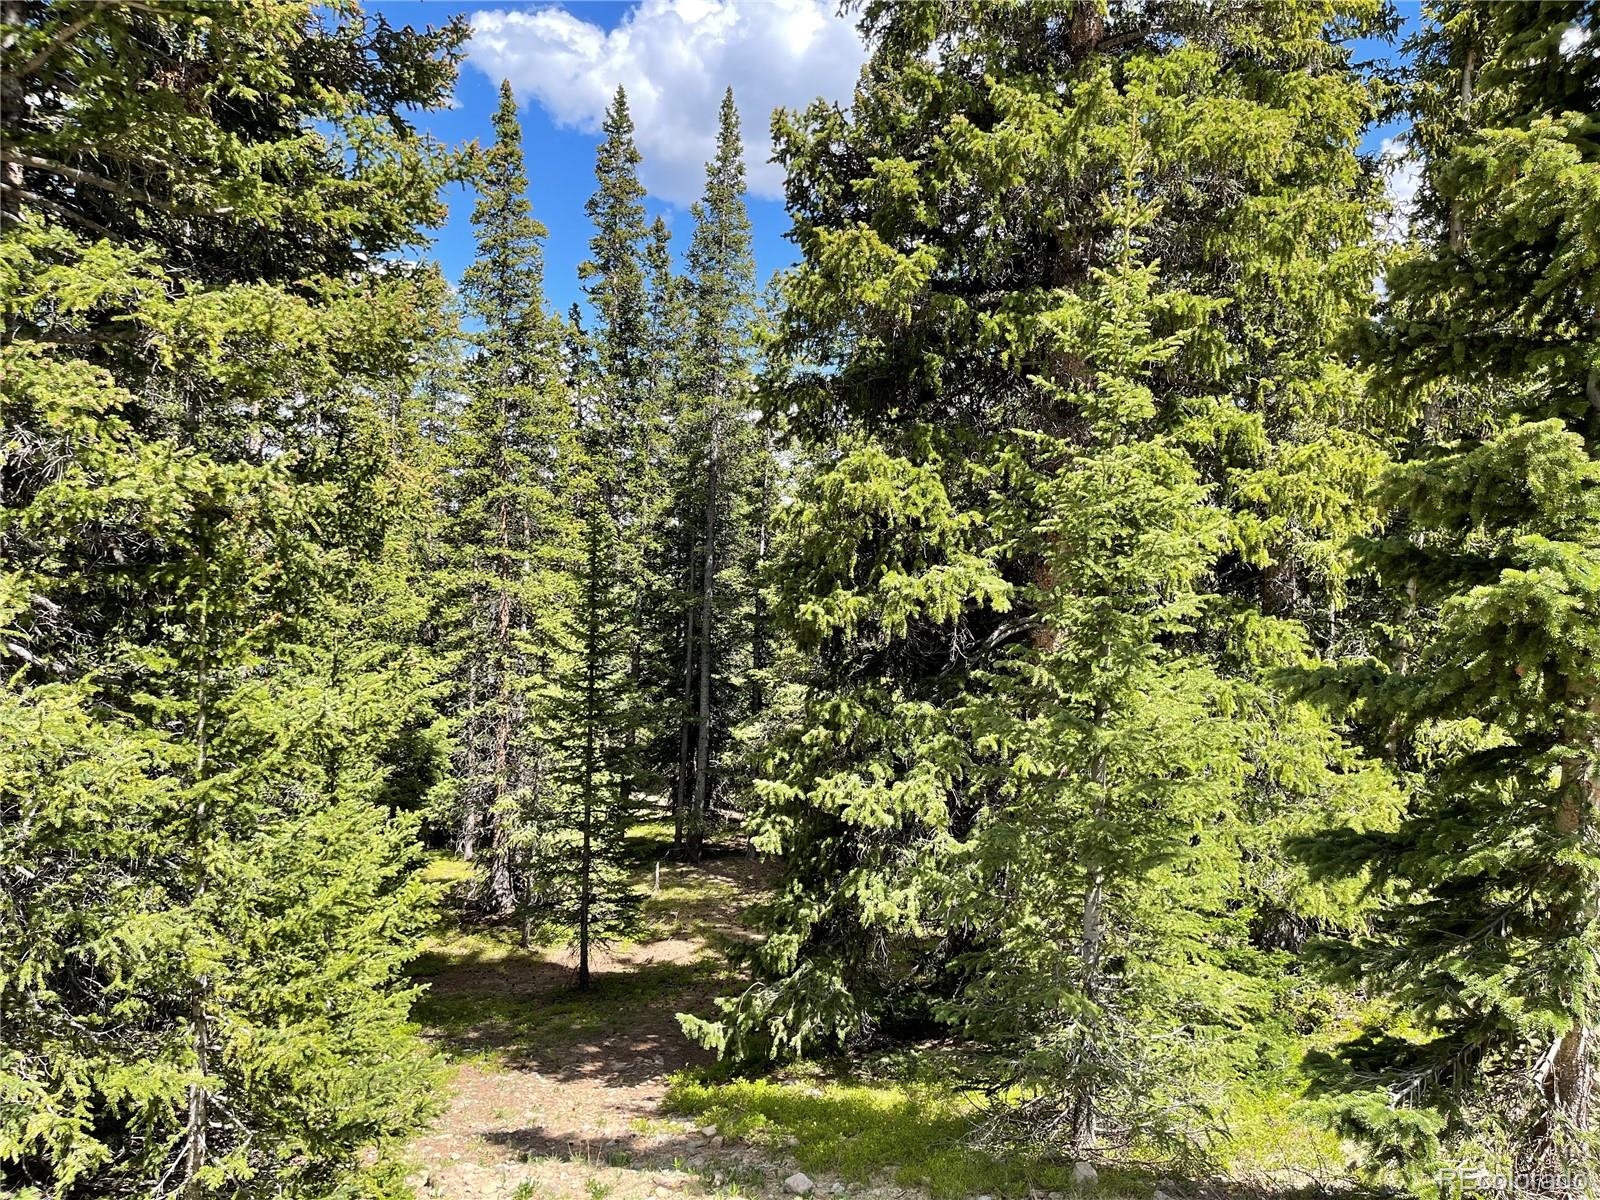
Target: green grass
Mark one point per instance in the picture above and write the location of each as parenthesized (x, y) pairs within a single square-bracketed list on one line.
[(442, 867), (916, 1134), (489, 1014)]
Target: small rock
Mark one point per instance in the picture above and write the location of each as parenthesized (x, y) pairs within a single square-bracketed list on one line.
[(798, 1184), (1084, 1175), (1052, 1196), (717, 1142), (1160, 1195), (986, 1197), (708, 1131), (838, 1188)]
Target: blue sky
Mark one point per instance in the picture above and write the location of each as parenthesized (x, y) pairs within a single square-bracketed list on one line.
[(675, 57)]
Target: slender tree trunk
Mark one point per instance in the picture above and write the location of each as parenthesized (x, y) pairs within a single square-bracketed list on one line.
[(591, 716), (681, 785), (759, 659), (702, 763), (1469, 68), (1092, 944), (199, 1116)]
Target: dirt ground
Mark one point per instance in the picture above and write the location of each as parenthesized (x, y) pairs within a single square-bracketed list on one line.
[(557, 1094)]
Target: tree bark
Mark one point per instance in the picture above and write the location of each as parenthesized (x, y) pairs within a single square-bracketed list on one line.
[(702, 764), (1092, 942), (681, 785), (591, 714)]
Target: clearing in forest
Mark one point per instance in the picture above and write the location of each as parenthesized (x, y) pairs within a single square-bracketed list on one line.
[(553, 1093)]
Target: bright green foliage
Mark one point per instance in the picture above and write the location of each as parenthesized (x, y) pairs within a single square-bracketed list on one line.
[(1488, 695), (513, 540), (1082, 457), (1094, 889), (209, 712), (113, 119)]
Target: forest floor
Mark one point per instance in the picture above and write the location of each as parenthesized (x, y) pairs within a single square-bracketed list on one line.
[(556, 1093), (553, 1093)]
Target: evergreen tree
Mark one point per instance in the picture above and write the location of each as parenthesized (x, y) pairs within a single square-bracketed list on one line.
[(592, 726), (668, 670), (1098, 881), (616, 285), (985, 440), (511, 532), (1486, 692), (208, 900), (717, 452)]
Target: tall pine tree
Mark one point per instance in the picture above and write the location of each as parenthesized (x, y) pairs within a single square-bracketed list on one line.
[(208, 901), (1071, 274), (1487, 693), (510, 532), (717, 452)]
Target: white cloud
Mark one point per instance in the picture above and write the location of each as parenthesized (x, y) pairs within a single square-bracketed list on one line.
[(1402, 178), (675, 58)]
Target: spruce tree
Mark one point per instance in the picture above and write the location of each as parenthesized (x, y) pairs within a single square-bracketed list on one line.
[(592, 725), (1486, 693), (616, 285), (199, 379), (995, 466), (717, 451), (1093, 895), (511, 534)]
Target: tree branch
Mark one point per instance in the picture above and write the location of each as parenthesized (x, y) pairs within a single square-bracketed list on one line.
[(62, 37)]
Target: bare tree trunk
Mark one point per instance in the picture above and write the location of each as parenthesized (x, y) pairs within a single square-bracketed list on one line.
[(1091, 947), (681, 785), (702, 764), (199, 1117), (591, 715), (1469, 68)]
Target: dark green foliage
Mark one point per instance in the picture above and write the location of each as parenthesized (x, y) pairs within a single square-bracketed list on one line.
[(508, 578), (1488, 690), (719, 460), (1081, 463)]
